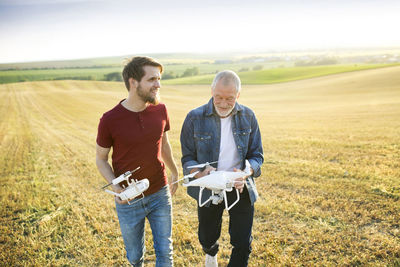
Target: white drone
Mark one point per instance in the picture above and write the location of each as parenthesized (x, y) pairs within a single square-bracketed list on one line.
[(134, 188), (219, 182)]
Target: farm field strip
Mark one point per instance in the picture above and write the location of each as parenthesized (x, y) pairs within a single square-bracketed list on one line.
[(329, 192)]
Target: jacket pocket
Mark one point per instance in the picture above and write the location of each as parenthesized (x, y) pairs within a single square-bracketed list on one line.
[(203, 142), (243, 132), (243, 137)]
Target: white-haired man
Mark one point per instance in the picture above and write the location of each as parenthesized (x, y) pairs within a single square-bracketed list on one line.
[(223, 130)]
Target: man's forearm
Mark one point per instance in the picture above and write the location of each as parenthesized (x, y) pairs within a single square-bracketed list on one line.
[(169, 161), (166, 154), (105, 169)]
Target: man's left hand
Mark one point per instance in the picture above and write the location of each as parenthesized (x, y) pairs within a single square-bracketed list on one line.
[(240, 182), (173, 187)]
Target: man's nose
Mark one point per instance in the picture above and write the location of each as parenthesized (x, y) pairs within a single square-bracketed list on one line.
[(224, 104), (157, 84)]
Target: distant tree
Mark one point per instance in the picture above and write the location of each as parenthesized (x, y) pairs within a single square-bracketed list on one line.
[(113, 76), (326, 61), (191, 72), (316, 62), (223, 61), (258, 67), (301, 63), (243, 69), (168, 75)]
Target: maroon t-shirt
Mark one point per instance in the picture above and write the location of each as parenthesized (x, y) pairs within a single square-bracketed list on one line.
[(136, 139)]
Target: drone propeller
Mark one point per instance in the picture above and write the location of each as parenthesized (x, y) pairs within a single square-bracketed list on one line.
[(202, 165), (186, 177)]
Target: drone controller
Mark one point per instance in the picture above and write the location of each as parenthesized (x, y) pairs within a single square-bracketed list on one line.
[(123, 177), (134, 188)]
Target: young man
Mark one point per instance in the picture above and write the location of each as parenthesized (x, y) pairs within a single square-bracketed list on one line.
[(224, 131), (136, 129)]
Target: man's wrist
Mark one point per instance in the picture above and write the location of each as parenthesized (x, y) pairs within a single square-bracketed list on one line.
[(116, 188), (174, 176)]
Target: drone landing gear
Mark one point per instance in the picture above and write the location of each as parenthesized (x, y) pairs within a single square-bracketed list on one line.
[(217, 197), (233, 204)]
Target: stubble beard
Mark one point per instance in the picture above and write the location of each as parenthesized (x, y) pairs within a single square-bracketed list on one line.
[(147, 97), (225, 114)]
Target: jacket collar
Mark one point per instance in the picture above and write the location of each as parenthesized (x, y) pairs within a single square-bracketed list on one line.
[(210, 108)]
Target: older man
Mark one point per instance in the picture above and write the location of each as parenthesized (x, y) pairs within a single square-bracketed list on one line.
[(223, 130)]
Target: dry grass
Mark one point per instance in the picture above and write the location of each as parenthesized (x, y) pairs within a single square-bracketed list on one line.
[(330, 190)]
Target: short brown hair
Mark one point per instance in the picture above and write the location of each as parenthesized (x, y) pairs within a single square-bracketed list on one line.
[(134, 68)]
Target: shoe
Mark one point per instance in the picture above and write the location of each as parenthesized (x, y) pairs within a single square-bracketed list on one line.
[(211, 261)]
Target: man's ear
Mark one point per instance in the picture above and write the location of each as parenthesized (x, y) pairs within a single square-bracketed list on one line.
[(133, 83), (238, 94)]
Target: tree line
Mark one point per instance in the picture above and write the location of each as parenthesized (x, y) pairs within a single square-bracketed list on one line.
[(117, 76)]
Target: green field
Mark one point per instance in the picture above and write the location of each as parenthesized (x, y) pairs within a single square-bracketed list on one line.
[(329, 189), (270, 74), (11, 76), (212, 68), (277, 75)]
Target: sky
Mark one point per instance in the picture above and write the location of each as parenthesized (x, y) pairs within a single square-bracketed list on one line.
[(40, 30)]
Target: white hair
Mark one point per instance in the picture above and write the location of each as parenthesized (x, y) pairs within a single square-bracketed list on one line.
[(228, 77)]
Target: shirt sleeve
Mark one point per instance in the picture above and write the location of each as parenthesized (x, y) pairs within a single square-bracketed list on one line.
[(167, 126), (188, 146), (255, 153), (104, 138)]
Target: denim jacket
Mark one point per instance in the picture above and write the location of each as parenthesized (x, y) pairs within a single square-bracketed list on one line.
[(201, 136)]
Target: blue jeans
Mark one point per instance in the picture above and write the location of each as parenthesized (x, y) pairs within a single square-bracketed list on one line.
[(157, 208)]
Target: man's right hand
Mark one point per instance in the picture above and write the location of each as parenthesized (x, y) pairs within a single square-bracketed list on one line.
[(118, 189), (206, 171)]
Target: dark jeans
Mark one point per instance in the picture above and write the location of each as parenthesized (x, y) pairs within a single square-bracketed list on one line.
[(240, 225)]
